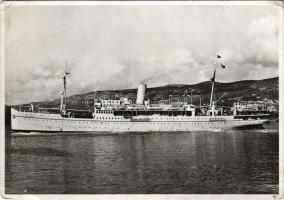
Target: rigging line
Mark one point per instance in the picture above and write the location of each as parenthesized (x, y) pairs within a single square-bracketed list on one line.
[(66, 65)]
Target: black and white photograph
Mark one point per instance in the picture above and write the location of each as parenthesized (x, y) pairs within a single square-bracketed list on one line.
[(142, 98)]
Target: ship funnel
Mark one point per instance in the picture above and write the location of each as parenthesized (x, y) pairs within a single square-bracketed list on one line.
[(141, 93)]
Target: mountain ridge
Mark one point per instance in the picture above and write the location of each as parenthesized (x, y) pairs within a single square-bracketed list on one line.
[(238, 90)]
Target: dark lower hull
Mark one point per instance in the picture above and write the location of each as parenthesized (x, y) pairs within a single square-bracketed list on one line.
[(250, 127)]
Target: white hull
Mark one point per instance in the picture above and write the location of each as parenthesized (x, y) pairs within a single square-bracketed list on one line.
[(30, 121)]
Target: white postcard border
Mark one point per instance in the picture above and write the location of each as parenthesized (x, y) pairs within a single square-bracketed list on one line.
[(146, 196)]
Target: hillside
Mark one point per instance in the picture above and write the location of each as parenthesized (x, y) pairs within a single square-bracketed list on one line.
[(240, 90)]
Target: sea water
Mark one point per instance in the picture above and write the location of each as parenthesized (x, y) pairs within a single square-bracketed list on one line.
[(203, 162)]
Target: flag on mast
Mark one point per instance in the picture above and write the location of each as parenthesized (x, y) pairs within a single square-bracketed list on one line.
[(223, 66)]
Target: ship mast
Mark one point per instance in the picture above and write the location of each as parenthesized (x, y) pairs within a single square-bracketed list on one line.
[(64, 93), (212, 88), (216, 64)]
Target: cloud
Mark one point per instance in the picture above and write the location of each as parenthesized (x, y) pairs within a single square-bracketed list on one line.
[(260, 44), (42, 83), (119, 47), (256, 55), (175, 66)]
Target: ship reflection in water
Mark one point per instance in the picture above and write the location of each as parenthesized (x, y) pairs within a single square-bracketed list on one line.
[(186, 162)]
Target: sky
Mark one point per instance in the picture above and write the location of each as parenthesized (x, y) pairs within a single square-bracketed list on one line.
[(117, 47)]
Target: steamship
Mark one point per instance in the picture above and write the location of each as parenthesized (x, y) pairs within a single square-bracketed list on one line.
[(125, 116)]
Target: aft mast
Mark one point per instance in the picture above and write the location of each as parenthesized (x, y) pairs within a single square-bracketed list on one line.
[(212, 103), (212, 88)]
